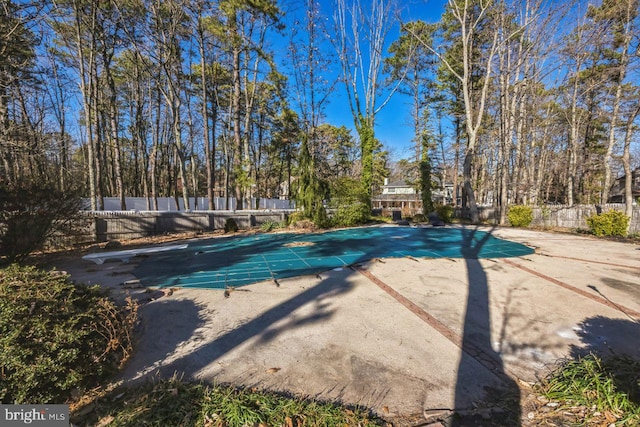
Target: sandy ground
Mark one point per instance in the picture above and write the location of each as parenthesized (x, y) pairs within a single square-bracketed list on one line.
[(409, 338)]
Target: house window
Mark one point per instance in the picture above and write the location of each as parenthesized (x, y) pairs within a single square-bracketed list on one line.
[(391, 190)]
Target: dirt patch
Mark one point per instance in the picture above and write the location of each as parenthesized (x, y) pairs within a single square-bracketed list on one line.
[(298, 244)]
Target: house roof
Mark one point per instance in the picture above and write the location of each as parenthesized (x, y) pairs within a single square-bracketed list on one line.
[(398, 184), (634, 173)]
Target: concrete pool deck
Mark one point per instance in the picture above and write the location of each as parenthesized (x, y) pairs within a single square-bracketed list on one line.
[(407, 337)]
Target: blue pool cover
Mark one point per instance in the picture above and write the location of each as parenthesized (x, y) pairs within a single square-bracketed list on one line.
[(241, 260)]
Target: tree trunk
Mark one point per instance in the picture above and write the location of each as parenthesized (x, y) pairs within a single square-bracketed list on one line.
[(519, 170), (87, 91), (209, 151), (180, 155), (115, 140), (626, 162), (97, 147), (153, 158), (503, 150), (573, 146), (60, 112), (238, 161), (469, 199)]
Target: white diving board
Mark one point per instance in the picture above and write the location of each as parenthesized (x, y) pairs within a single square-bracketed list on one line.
[(126, 255)]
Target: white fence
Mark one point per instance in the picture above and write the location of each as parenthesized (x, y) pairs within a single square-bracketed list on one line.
[(168, 204)]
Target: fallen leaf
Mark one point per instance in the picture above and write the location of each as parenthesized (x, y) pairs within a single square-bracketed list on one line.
[(105, 421), (272, 370)]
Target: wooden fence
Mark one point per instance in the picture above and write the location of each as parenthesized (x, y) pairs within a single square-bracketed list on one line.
[(103, 226), (566, 216), (121, 225)]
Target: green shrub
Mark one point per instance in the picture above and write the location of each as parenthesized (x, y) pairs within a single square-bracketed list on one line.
[(57, 337), (230, 225), (30, 214), (611, 223), (349, 202), (520, 216), (353, 214), (270, 225), (445, 213), (320, 218), (300, 220), (419, 218), (294, 217)]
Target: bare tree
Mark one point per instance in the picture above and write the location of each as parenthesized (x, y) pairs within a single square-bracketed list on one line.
[(80, 40), (168, 34), (471, 17), (519, 72), (626, 156), (244, 28), (361, 36), (202, 36), (620, 21)]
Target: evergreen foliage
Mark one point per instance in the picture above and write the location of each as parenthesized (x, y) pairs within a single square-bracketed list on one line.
[(425, 177), (367, 148), (57, 337), (230, 225), (445, 213), (349, 202), (311, 191), (30, 214), (351, 215)]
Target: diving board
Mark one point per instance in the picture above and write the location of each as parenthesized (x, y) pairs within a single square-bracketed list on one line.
[(126, 255)]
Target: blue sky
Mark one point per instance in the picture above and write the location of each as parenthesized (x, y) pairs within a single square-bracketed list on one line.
[(393, 122), (393, 127)]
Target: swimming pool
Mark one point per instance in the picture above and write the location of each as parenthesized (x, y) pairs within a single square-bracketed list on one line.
[(242, 260)]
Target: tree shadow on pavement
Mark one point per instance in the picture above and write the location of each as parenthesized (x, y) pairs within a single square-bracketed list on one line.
[(605, 337), (616, 342), (263, 327), (181, 321), (502, 403)]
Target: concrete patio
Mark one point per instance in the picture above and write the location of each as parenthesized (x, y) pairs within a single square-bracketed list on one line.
[(410, 338)]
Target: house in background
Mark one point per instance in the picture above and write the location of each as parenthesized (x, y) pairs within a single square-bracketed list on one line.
[(400, 196), (617, 189), (397, 196), (443, 194)]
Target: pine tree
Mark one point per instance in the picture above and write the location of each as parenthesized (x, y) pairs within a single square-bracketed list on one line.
[(311, 191)]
